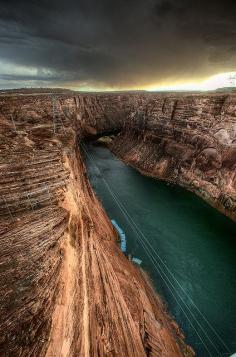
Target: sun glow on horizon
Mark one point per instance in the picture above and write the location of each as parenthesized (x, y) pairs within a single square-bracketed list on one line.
[(220, 80), (227, 79)]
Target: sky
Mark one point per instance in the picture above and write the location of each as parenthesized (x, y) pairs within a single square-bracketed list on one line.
[(117, 44)]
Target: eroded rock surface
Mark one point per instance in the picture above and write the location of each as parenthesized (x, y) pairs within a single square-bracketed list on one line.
[(187, 140), (66, 288)]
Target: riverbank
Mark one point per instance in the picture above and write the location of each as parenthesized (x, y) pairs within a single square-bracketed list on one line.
[(186, 246), (199, 192), (134, 158)]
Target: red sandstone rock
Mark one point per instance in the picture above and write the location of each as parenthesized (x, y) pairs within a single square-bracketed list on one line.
[(66, 288), (187, 140)]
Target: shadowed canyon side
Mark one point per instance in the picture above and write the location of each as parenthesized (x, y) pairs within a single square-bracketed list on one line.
[(186, 140), (66, 288)]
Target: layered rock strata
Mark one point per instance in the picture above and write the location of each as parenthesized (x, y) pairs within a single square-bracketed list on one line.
[(66, 288), (186, 140)]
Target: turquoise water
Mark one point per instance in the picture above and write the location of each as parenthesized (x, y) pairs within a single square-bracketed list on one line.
[(187, 248)]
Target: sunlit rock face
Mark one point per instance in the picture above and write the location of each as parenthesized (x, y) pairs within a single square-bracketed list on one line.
[(187, 140), (66, 288)]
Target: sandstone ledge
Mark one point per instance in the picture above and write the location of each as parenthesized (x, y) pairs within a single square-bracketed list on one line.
[(66, 288)]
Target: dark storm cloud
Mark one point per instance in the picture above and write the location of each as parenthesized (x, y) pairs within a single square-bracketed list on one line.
[(118, 43)]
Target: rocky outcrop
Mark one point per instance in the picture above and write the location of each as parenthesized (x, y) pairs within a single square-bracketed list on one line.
[(66, 288), (186, 140)]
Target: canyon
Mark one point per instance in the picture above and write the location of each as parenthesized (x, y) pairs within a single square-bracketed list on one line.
[(187, 140), (66, 288)]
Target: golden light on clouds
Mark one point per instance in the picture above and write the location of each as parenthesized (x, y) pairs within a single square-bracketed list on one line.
[(217, 81), (221, 80)]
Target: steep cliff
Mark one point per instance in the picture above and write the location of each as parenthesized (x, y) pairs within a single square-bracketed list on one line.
[(66, 288), (186, 140)]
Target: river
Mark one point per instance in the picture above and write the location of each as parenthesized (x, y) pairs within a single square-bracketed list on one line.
[(186, 246)]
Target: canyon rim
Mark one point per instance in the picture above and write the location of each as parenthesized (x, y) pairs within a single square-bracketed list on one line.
[(117, 178), (66, 287)]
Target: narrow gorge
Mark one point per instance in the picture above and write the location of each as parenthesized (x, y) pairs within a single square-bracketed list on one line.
[(66, 287)]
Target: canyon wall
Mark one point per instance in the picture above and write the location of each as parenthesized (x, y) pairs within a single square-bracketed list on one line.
[(189, 140), (66, 288)]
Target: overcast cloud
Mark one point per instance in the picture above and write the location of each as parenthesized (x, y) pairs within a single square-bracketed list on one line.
[(120, 43)]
